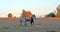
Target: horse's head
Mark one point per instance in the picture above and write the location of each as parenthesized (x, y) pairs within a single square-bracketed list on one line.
[(34, 16)]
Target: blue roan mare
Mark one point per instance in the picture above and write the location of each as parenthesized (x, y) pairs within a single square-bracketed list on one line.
[(31, 20)]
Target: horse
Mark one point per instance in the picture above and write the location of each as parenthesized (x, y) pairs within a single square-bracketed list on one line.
[(31, 20)]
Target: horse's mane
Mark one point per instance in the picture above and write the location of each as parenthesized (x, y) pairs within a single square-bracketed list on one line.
[(26, 14)]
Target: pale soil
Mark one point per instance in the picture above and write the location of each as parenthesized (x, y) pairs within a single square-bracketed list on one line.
[(41, 25)]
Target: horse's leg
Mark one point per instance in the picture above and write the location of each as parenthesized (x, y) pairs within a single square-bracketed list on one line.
[(20, 23), (25, 23), (33, 23)]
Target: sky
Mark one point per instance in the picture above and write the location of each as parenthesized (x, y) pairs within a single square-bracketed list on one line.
[(37, 7)]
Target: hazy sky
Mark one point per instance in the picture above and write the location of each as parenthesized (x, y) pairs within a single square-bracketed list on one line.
[(38, 7)]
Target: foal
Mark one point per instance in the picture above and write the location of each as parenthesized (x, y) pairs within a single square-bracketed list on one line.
[(32, 19)]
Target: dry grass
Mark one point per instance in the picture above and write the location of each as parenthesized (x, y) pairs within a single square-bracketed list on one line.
[(41, 25)]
